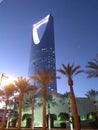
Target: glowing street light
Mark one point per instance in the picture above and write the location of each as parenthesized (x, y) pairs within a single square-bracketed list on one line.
[(6, 80)]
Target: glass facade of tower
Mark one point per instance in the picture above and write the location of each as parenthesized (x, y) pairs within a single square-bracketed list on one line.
[(43, 49)]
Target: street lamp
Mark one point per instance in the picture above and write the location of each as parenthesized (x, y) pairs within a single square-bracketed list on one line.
[(6, 80), (3, 75)]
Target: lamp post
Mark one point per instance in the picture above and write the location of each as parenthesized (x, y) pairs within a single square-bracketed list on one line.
[(4, 80), (3, 75), (49, 118)]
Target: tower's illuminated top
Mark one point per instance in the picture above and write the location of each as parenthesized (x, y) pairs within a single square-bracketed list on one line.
[(35, 28)]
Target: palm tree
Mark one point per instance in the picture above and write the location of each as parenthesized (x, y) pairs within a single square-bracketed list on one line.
[(50, 100), (30, 99), (93, 66), (44, 77), (69, 71), (23, 86), (9, 90), (66, 97), (92, 96)]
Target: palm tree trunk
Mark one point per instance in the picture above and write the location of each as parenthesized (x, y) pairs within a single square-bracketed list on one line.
[(74, 106), (19, 115), (20, 111), (44, 90), (4, 118), (32, 118), (49, 118)]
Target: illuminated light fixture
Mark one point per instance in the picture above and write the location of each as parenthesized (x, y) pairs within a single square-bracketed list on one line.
[(35, 28)]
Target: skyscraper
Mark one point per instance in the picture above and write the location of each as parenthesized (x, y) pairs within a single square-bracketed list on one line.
[(43, 49)]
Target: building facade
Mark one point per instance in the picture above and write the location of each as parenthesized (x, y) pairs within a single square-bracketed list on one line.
[(43, 49), (59, 109)]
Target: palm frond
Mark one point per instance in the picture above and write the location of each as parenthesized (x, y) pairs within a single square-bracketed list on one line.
[(93, 68), (92, 65), (92, 73), (92, 95), (62, 71), (44, 76), (9, 89), (69, 70)]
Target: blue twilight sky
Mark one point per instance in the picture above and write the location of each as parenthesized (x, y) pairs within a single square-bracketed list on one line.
[(76, 36)]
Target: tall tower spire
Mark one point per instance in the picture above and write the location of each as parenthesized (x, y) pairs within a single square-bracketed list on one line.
[(43, 49)]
